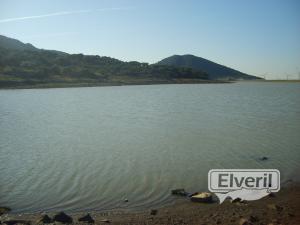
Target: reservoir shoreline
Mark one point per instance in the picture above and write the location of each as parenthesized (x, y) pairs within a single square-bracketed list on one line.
[(280, 207), (110, 84), (104, 84)]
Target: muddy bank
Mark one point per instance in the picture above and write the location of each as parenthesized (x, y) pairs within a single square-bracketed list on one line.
[(281, 208)]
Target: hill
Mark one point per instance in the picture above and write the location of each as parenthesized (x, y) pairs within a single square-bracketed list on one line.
[(215, 70), (23, 65), (14, 44)]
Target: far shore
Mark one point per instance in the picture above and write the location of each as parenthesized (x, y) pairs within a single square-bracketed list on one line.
[(278, 208), (21, 85)]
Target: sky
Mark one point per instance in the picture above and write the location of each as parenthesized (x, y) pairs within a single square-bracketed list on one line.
[(258, 37)]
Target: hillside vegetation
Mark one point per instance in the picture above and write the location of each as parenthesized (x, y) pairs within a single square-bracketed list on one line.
[(23, 65), (215, 70)]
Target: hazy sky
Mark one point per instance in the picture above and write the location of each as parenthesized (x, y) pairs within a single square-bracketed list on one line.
[(259, 37)]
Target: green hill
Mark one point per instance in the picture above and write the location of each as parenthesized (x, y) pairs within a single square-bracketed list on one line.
[(23, 65), (215, 71)]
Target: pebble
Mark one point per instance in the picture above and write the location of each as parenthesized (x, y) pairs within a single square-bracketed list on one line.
[(153, 212)]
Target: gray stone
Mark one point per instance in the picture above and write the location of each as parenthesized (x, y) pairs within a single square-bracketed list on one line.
[(63, 218)]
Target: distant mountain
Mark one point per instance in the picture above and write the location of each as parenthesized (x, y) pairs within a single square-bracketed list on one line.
[(215, 70), (23, 65), (10, 43)]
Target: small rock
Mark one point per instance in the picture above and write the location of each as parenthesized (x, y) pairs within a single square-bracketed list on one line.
[(4, 210), (244, 221), (87, 218), (264, 158), (153, 212), (45, 219), (236, 200), (13, 222), (253, 219), (63, 218), (239, 201), (190, 195), (105, 221), (202, 197), (180, 192), (125, 200)]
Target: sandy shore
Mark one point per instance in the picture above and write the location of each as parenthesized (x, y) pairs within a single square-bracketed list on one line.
[(283, 208)]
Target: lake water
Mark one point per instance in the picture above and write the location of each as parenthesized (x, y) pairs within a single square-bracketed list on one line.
[(90, 148)]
